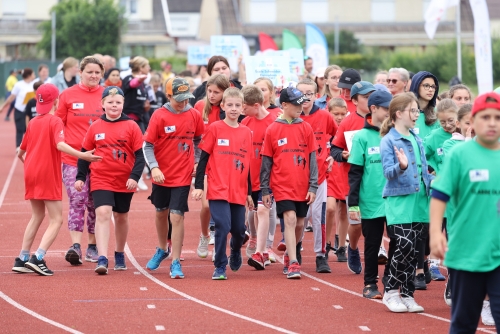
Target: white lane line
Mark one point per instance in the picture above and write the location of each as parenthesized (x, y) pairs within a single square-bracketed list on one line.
[(338, 307), (196, 300), (136, 273), (7, 181), (315, 289), (150, 306), (160, 328), (143, 288), (364, 328), (36, 315)]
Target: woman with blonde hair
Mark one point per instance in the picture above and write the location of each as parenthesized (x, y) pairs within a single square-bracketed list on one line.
[(68, 76), (331, 88)]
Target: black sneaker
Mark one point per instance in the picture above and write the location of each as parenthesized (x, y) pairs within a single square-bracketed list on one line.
[(120, 261), (427, 273), (328, 248), (385, 279), (102, 266), (19, 266), (235, 260), (341, 257), (74, 255), (371, 292), (420, 282), (38, 266), (297, 249), (336, 243), (321, 265), (309, 228)]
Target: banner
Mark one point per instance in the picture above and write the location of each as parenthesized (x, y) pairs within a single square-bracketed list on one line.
[(482, 45), (435, 13), (295, 59), (229, 46), (290, 40), (199, 55), (275, 68), (316, 46), (266, 42)]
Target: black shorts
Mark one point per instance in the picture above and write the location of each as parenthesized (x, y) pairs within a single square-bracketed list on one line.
[(300, 208), (173, 198), (119, 201), (340, 200)]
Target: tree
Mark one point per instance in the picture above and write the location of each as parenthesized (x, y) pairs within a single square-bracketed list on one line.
[(348, 43), (84, 27)]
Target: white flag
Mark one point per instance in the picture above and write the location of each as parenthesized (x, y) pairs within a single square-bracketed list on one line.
[(482, 45), (435, 13)]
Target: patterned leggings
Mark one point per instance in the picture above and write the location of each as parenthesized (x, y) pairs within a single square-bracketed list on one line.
[(78, 201), (404, 260)]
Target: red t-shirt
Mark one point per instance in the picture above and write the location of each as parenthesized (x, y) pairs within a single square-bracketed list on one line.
[(214, 114), (230, 150), (275, 111), (172, 136), (78, 107), (351, 107), (116, 142), (289, 145), (352, 122), (42, 165), (258, 128), (324, 128)]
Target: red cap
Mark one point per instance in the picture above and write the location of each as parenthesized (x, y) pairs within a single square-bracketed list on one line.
[(46, 94), (480, 103)]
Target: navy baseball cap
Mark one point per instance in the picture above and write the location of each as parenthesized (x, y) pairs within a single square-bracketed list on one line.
[(362, 87), (293, 96), (380, 98), (348, 78), (112, 90)]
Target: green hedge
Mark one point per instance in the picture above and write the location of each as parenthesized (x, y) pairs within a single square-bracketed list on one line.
[(178, 63)]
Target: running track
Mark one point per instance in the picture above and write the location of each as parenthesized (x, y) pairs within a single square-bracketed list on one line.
[(76, 300)]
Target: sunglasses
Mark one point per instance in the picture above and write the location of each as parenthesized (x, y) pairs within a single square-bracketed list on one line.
[(392, 80)]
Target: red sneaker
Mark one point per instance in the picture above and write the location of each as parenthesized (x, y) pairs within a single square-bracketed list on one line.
[(293, 270), (266, 259), (256, 261), (286, 264), (281, 246)]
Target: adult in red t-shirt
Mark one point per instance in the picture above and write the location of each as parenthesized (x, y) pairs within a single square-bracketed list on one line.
[(289, 168), (118, 139), (227, 147), (42, 144), (79, 107), (170, 143)]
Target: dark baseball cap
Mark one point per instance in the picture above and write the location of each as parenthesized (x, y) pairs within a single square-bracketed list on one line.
[(112, 90), (380, 98), (362, 87), (348, 78), (179, 89), (293, 96)]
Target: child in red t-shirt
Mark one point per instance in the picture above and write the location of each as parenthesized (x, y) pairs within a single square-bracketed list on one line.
[(170, 142), (289, 168), (43, 143), (113, 181), (227, 147)]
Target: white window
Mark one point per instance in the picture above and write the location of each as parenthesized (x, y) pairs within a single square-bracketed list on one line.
[(262, 11), (383, 10), (14, 8), (314, 11), (131, 9)]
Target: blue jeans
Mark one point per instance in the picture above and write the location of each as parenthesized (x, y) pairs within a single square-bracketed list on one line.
[(228, 218)]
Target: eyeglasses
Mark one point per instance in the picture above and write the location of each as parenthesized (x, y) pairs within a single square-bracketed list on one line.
[(449, 121), (309, 95), (427, 87), (392, 80), (413, 111)]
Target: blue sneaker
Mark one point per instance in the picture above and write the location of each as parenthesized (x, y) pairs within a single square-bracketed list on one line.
[(436, 274), (120, 261), (235, 260), (155, 261), (176, 269), (353, 260), (219, 273), (102, 266)]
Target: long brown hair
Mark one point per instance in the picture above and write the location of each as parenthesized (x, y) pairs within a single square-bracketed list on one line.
[(214, 60), (398, 103), (222, 83)]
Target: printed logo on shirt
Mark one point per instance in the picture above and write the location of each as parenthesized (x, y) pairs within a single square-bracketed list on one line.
[(238, 165), (99, 136), (77, 105), (416, 131), (170, 129), (223, 142), (183, 148), (479, 175), (299, 160), (282, 142), (440, 151), (374, 150)]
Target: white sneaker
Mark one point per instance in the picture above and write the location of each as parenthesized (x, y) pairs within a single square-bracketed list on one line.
[(202, 250), (412, 305), (382, 256), (142, 185), (393, 301), (212, 238), (486, 316), (213, 256), (272, 256), (251, 247)]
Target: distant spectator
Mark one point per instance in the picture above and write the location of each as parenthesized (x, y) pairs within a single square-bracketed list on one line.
[(68, 76), (113, 78), (9, 84), (397, 80), (381, 78), (43, 74), (167, 71), (308, 65), (30, 110), (107, 62), (320, 81), (185, 73)]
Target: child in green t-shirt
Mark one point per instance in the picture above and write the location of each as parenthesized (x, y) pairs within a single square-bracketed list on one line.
[(464, 130), (470, 180)]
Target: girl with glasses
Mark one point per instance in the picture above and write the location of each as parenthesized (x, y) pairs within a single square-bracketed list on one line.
[(331, 88), (425, 86)]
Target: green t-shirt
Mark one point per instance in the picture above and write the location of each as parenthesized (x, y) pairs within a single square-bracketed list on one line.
[(365, 152), (434, 148), (421, 129), (449, 144), (471, 177)]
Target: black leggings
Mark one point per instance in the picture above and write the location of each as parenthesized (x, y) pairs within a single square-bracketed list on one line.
[(20, 119)]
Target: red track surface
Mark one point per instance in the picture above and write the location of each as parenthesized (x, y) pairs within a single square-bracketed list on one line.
[(78, 300)]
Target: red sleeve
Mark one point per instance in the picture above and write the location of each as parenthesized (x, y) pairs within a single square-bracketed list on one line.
[(58, 128), (200, 125), (151, 134), (24, 143), (208, 141), (339, 139), (62, 110), (88, 141), (267, 145), (136, 136)]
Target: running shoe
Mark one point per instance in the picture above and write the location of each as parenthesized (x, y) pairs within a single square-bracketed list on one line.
[(213, 256), (246, 238), (393, 301), (322, 265), (20, 266), (298, 251), (142, 185), (336, 243), (235, 260), (286, 263), (219, 273), (267, 262), (102, 266), (354, 261), (281, 246), (436, 274), (202, 250), (486, 316), (74, 255), (412, 305), (370, 291), (341, 257), (120, 261), (38, 266), (257, 261), (157, 258), (176, 270), (212, 237), (272, 256), (309, 228), (447, 293), (293, 270), (91, 255), (420, 282), (251, 247), (382, 256), (328, 248)]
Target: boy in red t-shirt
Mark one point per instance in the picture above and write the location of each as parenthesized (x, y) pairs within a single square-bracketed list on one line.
[(227, 147), (113, 181), (290, 169), (170, 143), (258, 120), (43, 143)]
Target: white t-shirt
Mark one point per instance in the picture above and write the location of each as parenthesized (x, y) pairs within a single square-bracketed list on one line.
[(24, 92)]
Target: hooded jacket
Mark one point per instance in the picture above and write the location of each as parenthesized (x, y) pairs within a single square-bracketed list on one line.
[(60, 83), (417, 80)]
